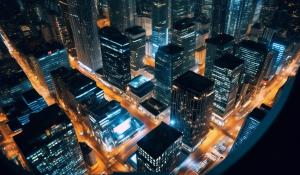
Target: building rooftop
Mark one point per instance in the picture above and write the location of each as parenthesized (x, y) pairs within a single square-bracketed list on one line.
[(141, 85), (183, 24), (31, 96), (102, 111), (157, 141), (220, 39), (38, 48), (171, 49), (255, 46), (258, 114), (76, 82), (228, 61), (31, 136), (153, 106), (135, 30), (113, 34), (193, 82)]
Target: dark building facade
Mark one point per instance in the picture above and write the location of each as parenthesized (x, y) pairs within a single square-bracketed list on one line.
[(121, 13), (179, 10), (169, 64), (216, 47), (158, 151), (249, 127), (226, 74), (191, 109), (83, 17), (238, 17), (254, 54), (137, 39), (50, 58), (49, 143), (160, 20), (218, 19), (116, 57), (184, 35), (231, 17)]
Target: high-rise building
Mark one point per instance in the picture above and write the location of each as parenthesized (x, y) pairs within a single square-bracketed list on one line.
[(258, 4), (64, 26), (164, 156), (191, 108), (215, 48), (77, 85), (184, 35), (226, 74), (49, 143), (116, 57), (203, 7), (169, 64), (239, 15), (160, 23), (33, 100), (47, 57), (249, 127), (267, 35), (50, 57), (137, 40), (121, 13), (269, 70), (179, 10), (218, 19), (83, 17), (15, 80), (254, 54), (280, 47), (268, 10)]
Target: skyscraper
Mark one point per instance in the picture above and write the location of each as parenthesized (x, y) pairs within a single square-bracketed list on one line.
[(164, 156), (116, 57), (203, 7), (121, 13), (184, 35), (159, 24), (179, 10), (191, 108), (254, 54), (216, 47), (239, 15), (252, 122), (226, 74), (231, 17), (83, 17), (137, 39), (49, 143), (278, 46), (218, 19), (50, 57), (169, 64)]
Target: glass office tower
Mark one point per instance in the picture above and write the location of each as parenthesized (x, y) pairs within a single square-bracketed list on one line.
[(116, 57), (169, 64), (83, 17), (160, 24), (49, 144), (191, 108)]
